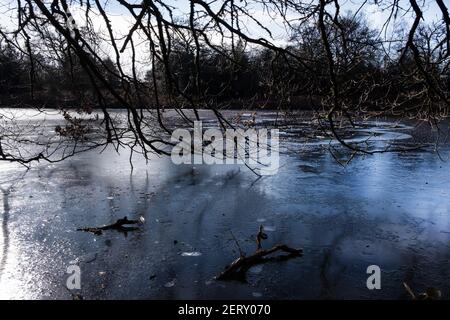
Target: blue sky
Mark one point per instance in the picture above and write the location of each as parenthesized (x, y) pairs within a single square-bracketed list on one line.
[(122, 21)]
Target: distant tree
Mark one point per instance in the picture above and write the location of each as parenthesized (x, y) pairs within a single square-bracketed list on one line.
[(210, 57)]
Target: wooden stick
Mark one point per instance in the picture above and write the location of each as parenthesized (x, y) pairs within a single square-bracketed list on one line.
[(118, 225), (238, 268)]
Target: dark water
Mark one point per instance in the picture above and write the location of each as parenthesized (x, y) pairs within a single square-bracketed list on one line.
[(389, 209)]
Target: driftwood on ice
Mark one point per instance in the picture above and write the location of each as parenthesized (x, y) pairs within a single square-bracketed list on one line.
[(119, 225), (237, 270)]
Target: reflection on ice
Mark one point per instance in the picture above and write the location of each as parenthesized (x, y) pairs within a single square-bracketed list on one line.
[(387, 209)]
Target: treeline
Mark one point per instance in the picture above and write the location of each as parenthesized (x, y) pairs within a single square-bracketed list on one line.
[(372, 74), (57, 81)]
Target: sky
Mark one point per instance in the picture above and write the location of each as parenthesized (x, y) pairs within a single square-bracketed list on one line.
[(122, 21)]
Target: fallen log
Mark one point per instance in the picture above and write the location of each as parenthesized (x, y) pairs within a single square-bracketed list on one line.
[(119, 225), (237, 270)]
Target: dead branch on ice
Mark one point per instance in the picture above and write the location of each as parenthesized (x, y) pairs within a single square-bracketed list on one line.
[(237, 270)]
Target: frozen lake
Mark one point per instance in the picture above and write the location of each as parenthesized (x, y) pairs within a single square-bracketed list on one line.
[(389, 209)]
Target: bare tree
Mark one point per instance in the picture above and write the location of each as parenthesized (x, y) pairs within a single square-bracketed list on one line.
[(197, 58)]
